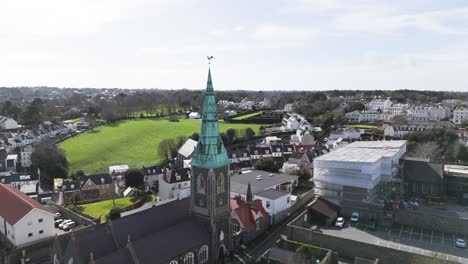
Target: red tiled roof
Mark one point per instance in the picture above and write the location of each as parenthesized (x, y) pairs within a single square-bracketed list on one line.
[(247, 212), (14, 204)]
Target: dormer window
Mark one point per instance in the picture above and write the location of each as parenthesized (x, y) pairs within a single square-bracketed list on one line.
[(267, 151), (245, 154)]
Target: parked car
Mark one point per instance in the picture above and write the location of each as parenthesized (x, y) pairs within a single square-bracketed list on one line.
[(354, 217), (460, 243), (58, 215), (61, 225), (58, 222), (340, 222), (69, 226)]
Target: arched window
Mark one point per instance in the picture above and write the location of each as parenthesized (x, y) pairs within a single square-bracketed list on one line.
[(174, 262), (235, 226), (203, 254), (189, 258)]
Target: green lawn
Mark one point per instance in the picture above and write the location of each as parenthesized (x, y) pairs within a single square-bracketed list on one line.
[(242, 117), (102, 208), (362, 126), (132, 142)]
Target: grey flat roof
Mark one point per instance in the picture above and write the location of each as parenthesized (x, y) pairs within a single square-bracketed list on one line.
[(239, 182), (272, 194)]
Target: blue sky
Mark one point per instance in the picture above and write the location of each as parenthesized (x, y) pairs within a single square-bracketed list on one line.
[(257, 45)]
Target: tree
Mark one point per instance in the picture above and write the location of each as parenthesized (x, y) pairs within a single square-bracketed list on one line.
[(355, 105), (51, 161), (464, 123), (115, 213), (231, 136), (399, 120), (134, 178), (304, 174), (267, 164), (166, 147), (249, 134), (195, 136), (290, 169)]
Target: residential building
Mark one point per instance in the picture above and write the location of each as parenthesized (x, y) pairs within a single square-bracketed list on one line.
[(427, 112), (349, 175), (185, 152), (378, 103), (20, 181), (102, 184), (322, 211), (295, 122), (174, 184), (7, 123), (277, 203), (350, 133), (22, 219), (152, 175), (456, 182), (288, 107), (459, 115), (25, 156), (261, 181), (7, 162), (302, 159)]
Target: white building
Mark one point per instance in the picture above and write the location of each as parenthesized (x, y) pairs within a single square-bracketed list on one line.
[(368, 116), (288, 107), (174, 184), (378, 103), (347, 133), (8, 123), (118, 169), (295, 122), (427, 112), (459, 115), (23, 220), (25, 155), (397, 109), (276, 203), (194, 115), (357, 168)]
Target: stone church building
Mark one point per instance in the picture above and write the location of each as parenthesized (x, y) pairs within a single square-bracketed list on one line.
[(187, 231)]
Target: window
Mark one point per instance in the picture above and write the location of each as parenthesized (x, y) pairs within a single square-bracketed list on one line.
[(287, 200), (234, 155), (235, 226), (415, 187), (423, 188), (203, 254), (40, 220), (189, 258), (41, 231), (30, 235), (267, 204), (179, 185), (174, 262)]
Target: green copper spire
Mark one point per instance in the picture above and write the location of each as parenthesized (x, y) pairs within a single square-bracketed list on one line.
[(210, 151)]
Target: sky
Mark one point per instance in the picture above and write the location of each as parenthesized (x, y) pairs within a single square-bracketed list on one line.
[(257, 45)]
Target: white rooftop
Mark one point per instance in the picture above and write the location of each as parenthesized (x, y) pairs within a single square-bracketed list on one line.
[(187, 149), (458, 169), (364, 151)]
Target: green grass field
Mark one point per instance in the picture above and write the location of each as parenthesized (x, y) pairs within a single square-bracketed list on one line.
[(100, 209), (243, 117), (132, 142), (362, 126)]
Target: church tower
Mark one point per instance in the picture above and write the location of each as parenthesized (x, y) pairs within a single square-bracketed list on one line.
[(210, 180)]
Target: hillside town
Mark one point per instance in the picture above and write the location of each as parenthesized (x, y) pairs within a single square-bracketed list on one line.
[(369, 181)]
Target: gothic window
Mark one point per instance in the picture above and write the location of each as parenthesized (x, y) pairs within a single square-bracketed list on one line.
[(220, 182), (203, 254), (235, 226), (201, 184), (189, 258), (174, 262)]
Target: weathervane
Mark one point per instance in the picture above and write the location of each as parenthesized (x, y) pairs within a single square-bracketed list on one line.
[(209, 59)]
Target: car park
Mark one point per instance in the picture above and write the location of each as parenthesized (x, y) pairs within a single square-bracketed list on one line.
[(460, 243), (354, 217), (340, 222), (61, 225), (69, 226)]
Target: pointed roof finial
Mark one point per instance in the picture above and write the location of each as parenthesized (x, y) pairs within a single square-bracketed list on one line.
[(249, 194)]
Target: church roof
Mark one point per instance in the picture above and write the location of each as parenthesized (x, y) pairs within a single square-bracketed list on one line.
[(210, 151)]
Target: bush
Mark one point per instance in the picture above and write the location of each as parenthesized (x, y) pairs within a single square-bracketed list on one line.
[(114, 213)]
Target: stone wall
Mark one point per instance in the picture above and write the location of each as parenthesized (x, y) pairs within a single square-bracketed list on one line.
[(351, 248), (69, 214), (432, 221)]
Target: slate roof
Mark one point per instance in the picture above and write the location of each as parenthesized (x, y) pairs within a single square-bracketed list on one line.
[(15, 205), (184, 175), (153, 170), (96, 179), (423, 170), (324, 207), (157, 235), (272, 194), (239, 182)]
